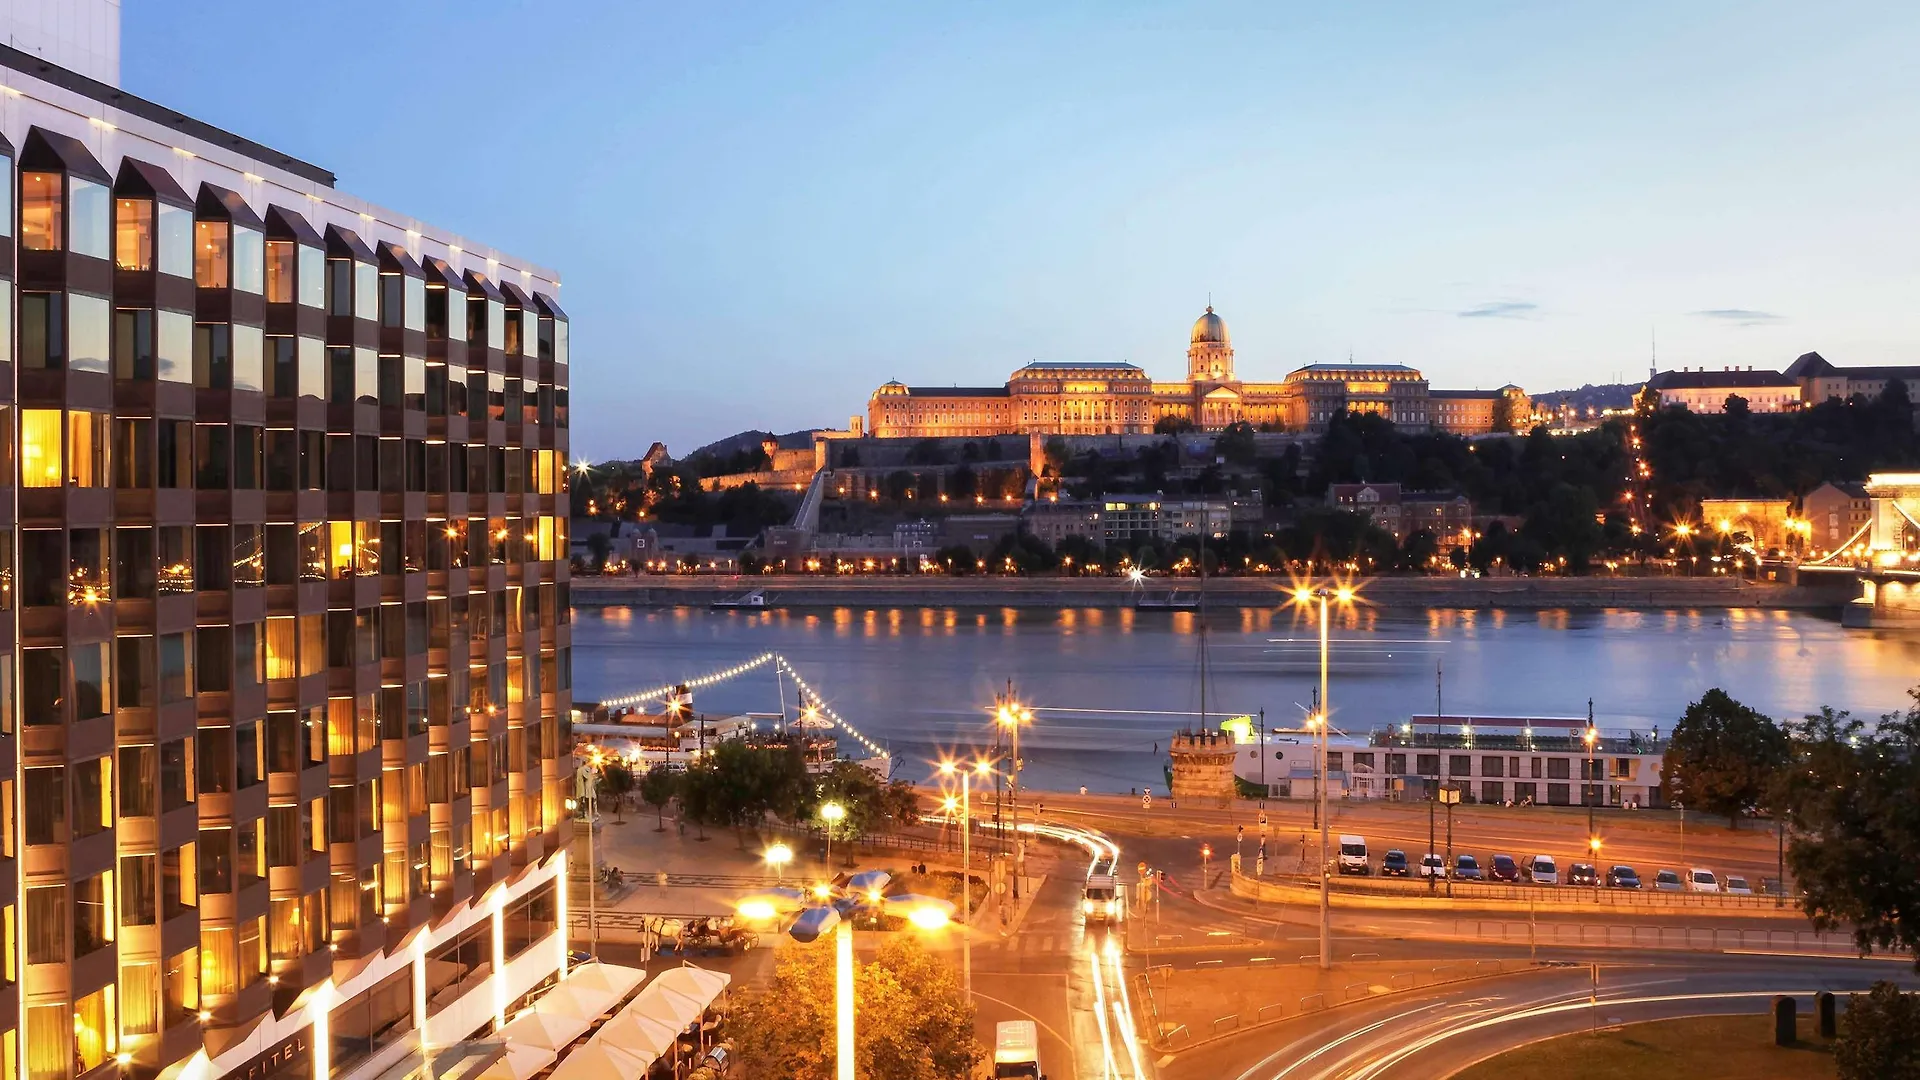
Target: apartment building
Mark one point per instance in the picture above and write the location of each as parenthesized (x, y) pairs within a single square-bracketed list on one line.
[(284, 642)]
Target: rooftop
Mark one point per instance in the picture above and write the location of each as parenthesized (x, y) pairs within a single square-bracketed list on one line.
[(29, 64), (1714, 380)]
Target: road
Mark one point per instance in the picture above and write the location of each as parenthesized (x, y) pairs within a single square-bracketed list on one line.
[(1649, 840), (1434, 1033)]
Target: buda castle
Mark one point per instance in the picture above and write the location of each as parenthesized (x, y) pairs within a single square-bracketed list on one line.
[(1115, 398)]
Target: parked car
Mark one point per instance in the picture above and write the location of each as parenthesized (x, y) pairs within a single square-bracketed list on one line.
[(1395, 864), (1623, 877), (1667, 881), (1432, 865), (1702, 880), (1581, 873), (1353, 855), (1541, 870), (1466, 868), (1505, 869), (1737, 886)]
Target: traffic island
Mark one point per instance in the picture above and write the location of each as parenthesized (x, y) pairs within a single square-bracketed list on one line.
[(1695, 1046)]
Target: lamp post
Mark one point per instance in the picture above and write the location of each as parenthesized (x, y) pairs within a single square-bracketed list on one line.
[(1009, 713), (588, 803), (834, 914), (950, 769), (1593, 852), (1323, 594), (778, 856), (1592, 737), (833, 814)]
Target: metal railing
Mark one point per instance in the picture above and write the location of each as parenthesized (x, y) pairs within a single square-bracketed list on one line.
[(1538, 895)]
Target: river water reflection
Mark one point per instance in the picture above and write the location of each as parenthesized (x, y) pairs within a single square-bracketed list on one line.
[(1110, 685)]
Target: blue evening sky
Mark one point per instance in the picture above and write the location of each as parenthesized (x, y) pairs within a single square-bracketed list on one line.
[(761, 212)]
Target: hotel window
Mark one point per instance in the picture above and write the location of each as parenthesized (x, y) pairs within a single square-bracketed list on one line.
[(43, 330), (138, 889), (211, 243), (313, 277), (282, 364), (174, 347), (41, 213), (92, 797), (180, 988), (140, 998), (88, 436), (40, 447), (212, 356), (176, 241), (219, 964), (248, 260), (133, 354), (45, 814), (92, 917), (281, 260), (90, 230), (175, 775), (248, 346), (366, 291), (178, 878), (139, 768), (89, 333), (133, 234)]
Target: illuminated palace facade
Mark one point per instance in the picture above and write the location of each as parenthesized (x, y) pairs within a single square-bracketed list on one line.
[(284, 642), (1113, 398)]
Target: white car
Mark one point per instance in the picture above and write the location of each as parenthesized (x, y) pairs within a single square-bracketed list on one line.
[(1737, 886), (1541, 870), (1432, 865), (1702, 880)]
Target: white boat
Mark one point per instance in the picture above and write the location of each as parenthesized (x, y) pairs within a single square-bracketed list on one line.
[(754, 600)]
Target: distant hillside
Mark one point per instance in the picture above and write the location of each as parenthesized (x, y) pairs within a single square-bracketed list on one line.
[(750, 440), (1606, 396)]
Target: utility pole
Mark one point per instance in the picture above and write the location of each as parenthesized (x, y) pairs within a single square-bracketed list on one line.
[(1263, 757), (1319, 778), (1433, 880)]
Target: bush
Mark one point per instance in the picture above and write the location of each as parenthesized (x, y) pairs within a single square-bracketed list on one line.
[(1880, 1036)]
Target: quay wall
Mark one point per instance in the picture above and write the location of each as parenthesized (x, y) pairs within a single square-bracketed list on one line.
[(782, 591)]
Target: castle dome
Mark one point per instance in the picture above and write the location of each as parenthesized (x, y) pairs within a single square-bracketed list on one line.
[(1209, 329)]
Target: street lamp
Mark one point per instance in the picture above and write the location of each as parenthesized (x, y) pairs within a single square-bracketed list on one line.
[(1343, 594), (1592, 738), (835, 915), (778, 856), (1593, 852), (1009, 713), (951, 769), (833, 814)]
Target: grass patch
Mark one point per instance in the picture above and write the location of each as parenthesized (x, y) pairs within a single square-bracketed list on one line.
[(1722, 1047)]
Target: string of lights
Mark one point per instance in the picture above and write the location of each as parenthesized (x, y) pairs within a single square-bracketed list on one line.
[(815, 703)]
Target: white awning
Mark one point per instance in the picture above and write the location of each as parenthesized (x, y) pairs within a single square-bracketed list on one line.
[(520, 1062), (602, 1059), (550, 1024)]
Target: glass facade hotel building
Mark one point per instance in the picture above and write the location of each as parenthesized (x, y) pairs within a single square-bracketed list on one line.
[(284, 641)]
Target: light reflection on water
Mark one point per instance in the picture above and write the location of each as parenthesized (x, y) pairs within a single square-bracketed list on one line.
[(920, 679)]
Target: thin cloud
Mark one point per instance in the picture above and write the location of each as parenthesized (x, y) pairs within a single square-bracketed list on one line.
[(1740, 316), (1500, 309)]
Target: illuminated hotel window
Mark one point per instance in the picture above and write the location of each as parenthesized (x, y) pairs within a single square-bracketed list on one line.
[(133, 234), (211, 240), (40, 431), (41, 212)]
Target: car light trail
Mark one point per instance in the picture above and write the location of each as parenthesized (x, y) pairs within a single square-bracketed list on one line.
[(1108, 1067), (1123, 1012)]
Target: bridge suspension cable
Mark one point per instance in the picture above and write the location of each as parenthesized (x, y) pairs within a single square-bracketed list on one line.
[(661, 693)]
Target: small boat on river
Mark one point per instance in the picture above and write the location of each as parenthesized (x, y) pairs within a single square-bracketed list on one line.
[(752, 601)]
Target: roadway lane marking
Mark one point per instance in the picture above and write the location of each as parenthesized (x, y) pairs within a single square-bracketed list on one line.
[(1259, 959), (1203, 963)]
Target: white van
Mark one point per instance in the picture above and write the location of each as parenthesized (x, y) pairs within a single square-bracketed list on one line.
[(1016, 1051), (1701, 880), (1542, 871), (1353, 855)]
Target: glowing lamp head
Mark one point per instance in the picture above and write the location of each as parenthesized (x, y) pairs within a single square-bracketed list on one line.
[(1344, 594), (1594, 844), (928, 917), (779, 854), (833, 812), (1302, 595), (756, 910)]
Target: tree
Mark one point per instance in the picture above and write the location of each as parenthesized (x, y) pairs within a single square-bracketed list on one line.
[(959, 559), (1852, 807), (1503, 414), (657, 790), (1173, 425), (1723, 757), (915, 1023), (599, 546), (1737, 407), (1880, 1035), (615, 781), (1236, 444)]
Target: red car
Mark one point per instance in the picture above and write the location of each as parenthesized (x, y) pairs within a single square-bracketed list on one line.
[(1504, 869)]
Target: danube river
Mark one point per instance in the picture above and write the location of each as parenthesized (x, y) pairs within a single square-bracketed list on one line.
[(1109, 686)]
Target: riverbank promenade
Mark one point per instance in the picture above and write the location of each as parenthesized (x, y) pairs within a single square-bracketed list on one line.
[(1520, 593)]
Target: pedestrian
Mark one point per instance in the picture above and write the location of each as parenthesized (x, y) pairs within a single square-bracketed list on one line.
[(1083, 789)]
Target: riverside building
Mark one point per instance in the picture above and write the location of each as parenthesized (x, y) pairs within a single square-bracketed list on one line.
[(1116, 398), (284, 642)]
